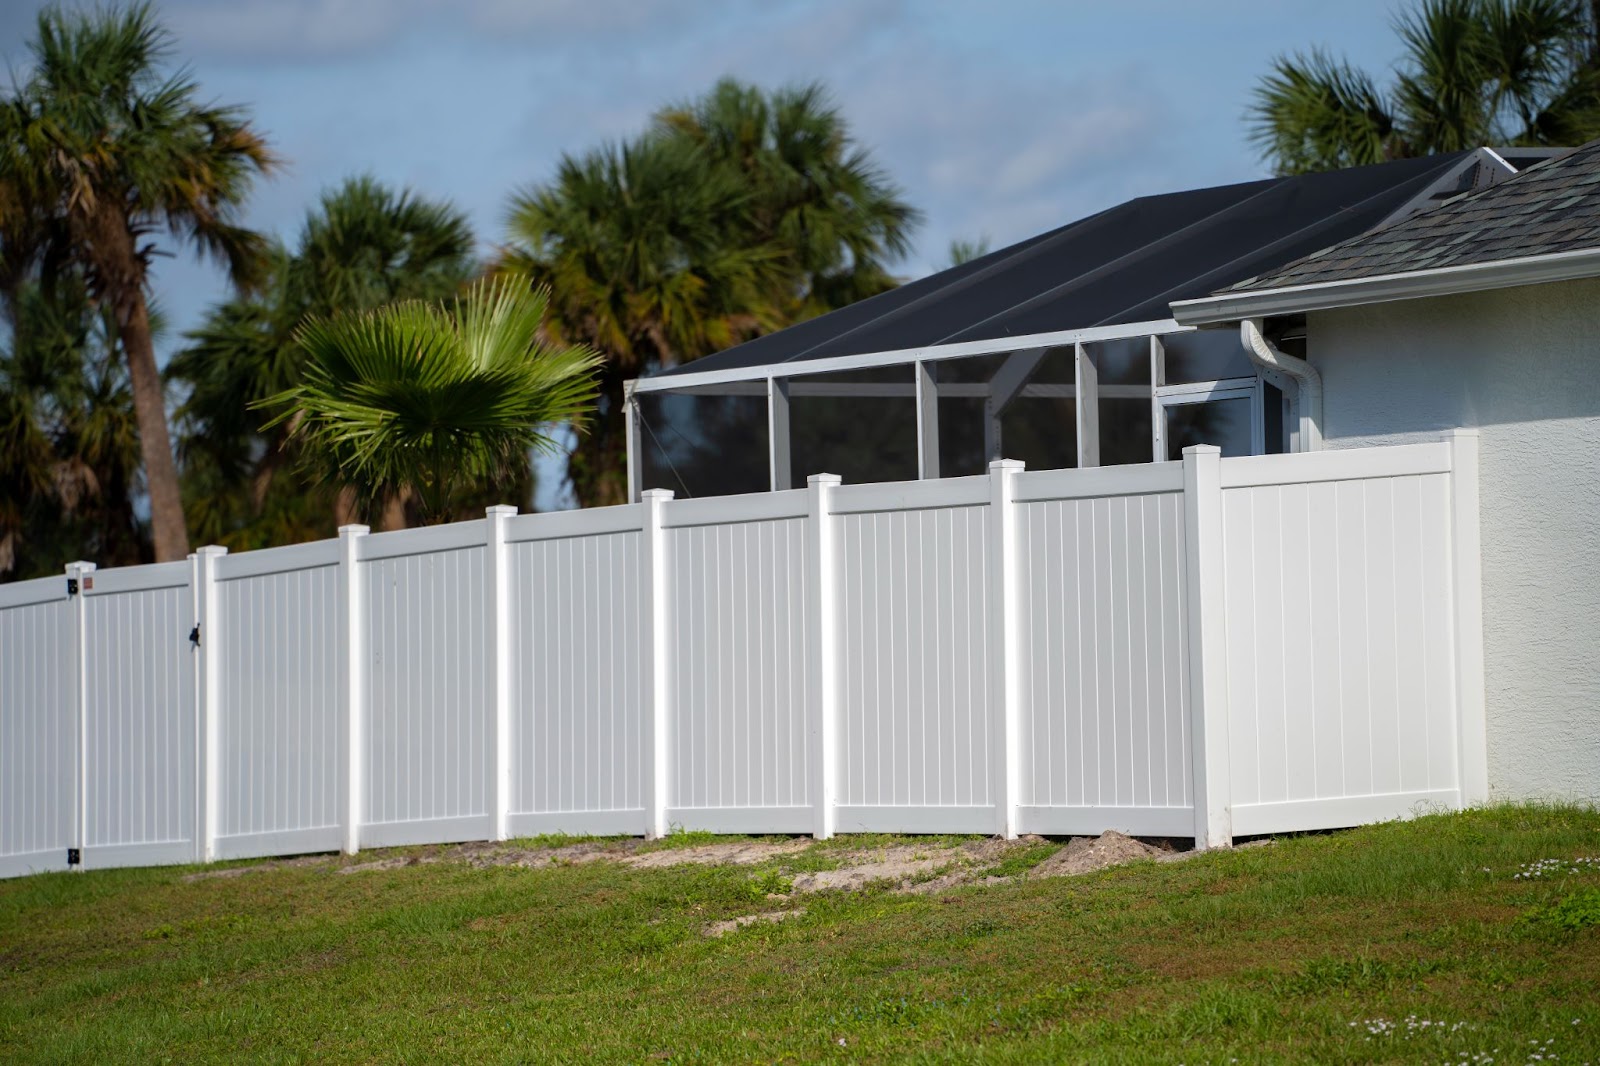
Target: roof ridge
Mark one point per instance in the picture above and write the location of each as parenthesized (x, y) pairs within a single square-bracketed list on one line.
[(1429, 221)]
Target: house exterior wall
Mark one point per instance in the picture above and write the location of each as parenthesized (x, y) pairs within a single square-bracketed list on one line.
[(1523, 367)]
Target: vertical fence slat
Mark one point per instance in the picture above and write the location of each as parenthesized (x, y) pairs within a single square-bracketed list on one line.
[(497, 602), (208, 699), (823, 667), (1208, 662), (656, 687), (354, 638), (1005, 632)]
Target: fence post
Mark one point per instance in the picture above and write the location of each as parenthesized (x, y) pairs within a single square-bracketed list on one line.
[(1005, 640), (80, 577), (497, 571), (351, 595), (1208, 660), (1468, 581), (655, 674), (822, 601), (208, 700)]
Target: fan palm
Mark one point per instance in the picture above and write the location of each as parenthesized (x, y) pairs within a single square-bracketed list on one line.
[(1474, 72), (69, 447), (413, 395), (733, 215), (815, 194), (363, 246), (646, 252), (117, 147)]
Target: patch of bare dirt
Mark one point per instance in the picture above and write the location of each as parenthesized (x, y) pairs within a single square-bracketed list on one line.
[(716, 929), (745, 853), (1085, 855), (915, 869), (900, 865), (262, 867), (482, 856), (387, 864)]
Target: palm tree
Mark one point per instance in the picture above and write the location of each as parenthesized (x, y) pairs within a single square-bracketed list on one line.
[(413, 395), (645, 251), (1474, 72), (364, 245), (815, 193), (69, 447), (964, 251), (733, 215), (114, 147)]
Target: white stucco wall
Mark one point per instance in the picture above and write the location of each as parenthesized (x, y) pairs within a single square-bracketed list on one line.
[(1523, 366)]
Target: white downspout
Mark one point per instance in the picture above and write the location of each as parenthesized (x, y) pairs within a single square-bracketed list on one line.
[(1262, 352)]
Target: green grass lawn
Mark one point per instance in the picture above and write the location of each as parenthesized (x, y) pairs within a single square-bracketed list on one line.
[(1403, 942)]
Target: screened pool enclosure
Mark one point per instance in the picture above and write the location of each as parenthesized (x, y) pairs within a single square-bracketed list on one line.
[(1124, 396), (1059, 351)]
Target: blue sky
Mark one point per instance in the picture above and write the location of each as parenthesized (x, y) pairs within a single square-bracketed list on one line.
[(999, 119)]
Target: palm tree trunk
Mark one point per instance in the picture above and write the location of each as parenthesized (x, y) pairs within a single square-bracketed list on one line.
[(155, 446)]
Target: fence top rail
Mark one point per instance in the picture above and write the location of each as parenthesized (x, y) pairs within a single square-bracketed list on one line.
[(1340, 464), (970, 491), (399, 542), (35, 591), (559, 525), (283, 560), (754, 507), (1143, 479), (137, 578)]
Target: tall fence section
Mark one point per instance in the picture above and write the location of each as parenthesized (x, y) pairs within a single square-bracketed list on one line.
[(1205, 648)]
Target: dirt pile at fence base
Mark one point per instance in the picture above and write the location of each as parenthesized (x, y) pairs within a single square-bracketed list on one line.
[(1085, 855)]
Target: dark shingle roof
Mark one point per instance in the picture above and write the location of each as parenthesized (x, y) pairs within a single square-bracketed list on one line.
[(1551, 207), (1126, 264)]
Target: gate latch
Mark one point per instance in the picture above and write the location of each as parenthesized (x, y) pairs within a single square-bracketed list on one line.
[(194, 635)]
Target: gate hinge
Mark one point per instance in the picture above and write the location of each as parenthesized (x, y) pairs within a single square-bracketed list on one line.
[(194, 635), (72, 586), (74, 857)]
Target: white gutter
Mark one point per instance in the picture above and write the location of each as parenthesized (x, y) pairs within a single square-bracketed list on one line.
[(1383, 288), (1264, 353)]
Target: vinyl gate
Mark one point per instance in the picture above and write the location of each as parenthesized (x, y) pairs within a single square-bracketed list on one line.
[(1205, 648)]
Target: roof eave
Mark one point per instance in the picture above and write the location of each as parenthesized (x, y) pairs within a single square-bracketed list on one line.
[(1385, 288)]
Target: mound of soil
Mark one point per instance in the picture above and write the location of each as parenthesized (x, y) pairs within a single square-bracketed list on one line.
[(1085, 855)]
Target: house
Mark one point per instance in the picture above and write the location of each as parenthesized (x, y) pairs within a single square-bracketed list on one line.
[(1375, 305), (1483, 312)]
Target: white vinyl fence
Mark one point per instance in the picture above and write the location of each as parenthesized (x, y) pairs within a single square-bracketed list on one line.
[(1205, 648)]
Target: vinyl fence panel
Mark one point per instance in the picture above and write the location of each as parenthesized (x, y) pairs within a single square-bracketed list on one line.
[(1105, 720), (578, 672), (38, 726), (739, 752), (916, 708), (1340, 619), (428, 758), (139, 771), (281, 743)]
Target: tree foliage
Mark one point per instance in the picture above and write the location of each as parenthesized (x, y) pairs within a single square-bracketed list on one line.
[(363, 246), (103, 146), (1474, 72), (414, 395), (733, 215)]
